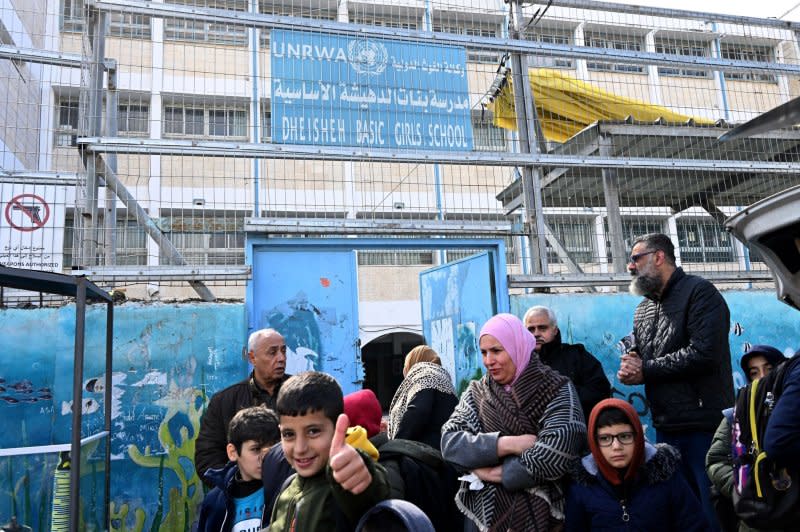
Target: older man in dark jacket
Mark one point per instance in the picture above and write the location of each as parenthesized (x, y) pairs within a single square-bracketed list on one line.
[(571, 360), (266, 350), (682, 355)]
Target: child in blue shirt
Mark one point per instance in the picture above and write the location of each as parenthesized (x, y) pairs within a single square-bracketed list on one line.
[(236, 504)]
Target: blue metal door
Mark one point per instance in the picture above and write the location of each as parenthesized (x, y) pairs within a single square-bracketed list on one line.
[(310, 295), (457, 298)]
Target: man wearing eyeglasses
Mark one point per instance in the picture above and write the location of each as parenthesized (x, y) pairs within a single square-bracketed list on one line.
[(626, 483), (682, 355), (266, 351), (571, 360)]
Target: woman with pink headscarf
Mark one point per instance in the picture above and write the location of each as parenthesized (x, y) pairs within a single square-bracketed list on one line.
[(514, 434)]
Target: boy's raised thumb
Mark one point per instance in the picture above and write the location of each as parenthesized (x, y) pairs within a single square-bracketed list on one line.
[(339, 433)]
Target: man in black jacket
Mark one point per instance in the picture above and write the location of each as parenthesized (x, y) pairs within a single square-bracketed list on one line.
[(682, 355), (571, 360), (267, 353)]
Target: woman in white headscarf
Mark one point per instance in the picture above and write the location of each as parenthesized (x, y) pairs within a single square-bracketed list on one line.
[(424, 400)]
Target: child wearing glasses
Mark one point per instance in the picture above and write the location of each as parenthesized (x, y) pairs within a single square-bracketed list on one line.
[(626, 483)]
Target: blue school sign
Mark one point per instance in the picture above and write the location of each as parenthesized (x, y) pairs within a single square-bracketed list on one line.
[(340, 91)]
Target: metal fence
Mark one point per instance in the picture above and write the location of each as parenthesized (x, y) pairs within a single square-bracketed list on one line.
[(142, 141)]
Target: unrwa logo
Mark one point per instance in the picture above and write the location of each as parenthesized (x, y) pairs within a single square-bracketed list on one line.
[(367, 57)]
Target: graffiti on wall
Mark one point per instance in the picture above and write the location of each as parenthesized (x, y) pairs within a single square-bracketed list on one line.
[(600, 321), (456, 301), (168, 360)]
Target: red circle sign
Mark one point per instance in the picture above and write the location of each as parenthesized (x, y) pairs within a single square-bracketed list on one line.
[(27, 212)]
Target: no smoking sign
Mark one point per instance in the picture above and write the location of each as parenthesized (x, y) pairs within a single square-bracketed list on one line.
[(27, 212)]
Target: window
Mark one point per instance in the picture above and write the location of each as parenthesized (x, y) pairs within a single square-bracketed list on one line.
[(130, 242), (178, 29), (266, 122), (278, 8), (210, 249), (133, 118), (198, 120), (386, 20), (227, 123), (703, 241), (212, 239), (631, 229), (395, 258), (631, 43), (682, 47), (183, 121), (576, 235), (120, 24), (486, 135), (486, 30), (550, 36), (130, 245), (748, 52), (188, 29), (66, 133)]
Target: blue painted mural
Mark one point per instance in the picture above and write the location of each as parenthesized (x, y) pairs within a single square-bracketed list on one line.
[(456, 301), (599, 321), (315, 307), (169, 359)]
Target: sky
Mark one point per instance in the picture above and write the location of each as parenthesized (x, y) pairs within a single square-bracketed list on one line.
[(751, 8)]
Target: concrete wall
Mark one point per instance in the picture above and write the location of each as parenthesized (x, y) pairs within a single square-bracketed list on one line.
[(168, 359)]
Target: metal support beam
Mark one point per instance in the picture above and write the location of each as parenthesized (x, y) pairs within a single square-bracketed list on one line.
[(149, 226), (353, 226), (714, 210), (531, 140), (563, 253), (39, 178), (151, 273), (41, 57), (333, 153), (110, 214), (77, 402), (611, 194), (91, 104)]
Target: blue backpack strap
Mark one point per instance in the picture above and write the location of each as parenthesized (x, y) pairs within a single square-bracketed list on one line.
[(728, 414)]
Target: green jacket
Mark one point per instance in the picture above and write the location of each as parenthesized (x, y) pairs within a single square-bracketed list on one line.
[(319, 504), (719, 460)]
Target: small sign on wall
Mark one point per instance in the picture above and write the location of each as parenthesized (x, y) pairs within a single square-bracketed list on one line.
[(32, 226)]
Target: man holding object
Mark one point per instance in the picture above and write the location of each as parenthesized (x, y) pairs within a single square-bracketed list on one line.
[(682, 355)]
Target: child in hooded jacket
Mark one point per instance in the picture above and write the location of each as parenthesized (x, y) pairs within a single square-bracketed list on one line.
[(626, 483)]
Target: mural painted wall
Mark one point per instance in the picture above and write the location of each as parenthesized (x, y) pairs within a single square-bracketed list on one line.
[(599, 321), (456, 300), (168, 359)]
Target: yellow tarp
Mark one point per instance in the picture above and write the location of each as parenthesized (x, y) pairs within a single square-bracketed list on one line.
[(566, 105)]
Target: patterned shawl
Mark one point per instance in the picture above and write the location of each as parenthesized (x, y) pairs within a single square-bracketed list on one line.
[(421, 376), (513, 413)]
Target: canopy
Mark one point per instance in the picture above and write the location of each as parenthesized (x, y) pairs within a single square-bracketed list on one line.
[(566, 105)]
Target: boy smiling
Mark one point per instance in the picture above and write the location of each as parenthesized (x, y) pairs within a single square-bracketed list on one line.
[(334, 482)]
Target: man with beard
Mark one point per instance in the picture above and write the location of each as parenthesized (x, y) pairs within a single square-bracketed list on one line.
[(571, 360), (682, 355), (266, 350)]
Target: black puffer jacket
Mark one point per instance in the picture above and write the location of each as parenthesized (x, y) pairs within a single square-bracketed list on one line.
[(583, 369), (682, 338)]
